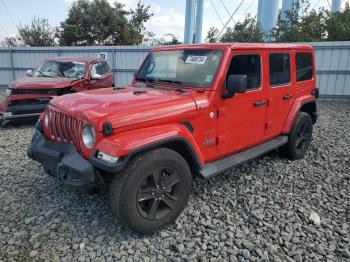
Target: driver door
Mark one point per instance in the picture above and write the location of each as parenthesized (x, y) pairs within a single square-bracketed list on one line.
[(242, 118)]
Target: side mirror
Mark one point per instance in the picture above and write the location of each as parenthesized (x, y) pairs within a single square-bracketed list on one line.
[(29, 72), (135, 72), (96, 77), (236, 84)]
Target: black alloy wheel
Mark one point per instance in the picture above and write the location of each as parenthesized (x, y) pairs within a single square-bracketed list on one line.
[(299, 137), (158, 193), (151, 191)]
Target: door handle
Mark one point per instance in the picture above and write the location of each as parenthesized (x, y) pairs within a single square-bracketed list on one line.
[(287, 97), (259, 103)]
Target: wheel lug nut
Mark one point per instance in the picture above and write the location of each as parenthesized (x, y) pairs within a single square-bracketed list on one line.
[(163, 187), (152, 193), (162, 195)]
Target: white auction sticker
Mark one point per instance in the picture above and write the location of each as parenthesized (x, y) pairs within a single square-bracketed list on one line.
[(196, 59)]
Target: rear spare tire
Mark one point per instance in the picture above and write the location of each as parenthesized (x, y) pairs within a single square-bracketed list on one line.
[(152, 191)]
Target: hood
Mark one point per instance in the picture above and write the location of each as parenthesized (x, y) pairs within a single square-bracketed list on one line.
[(42, 82), (123, 107)]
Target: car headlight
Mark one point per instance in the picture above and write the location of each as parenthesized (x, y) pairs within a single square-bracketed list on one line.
[(8, 91), (46, 118), (88, 136)]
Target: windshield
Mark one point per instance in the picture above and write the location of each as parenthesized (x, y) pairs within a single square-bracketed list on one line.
[(194, 68), (61, 69)]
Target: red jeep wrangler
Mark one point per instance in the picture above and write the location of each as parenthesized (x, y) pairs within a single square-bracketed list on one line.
[(28, 96), (191, 109)]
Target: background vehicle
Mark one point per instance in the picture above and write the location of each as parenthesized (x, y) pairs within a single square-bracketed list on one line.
[(28, 96), (197, 109)]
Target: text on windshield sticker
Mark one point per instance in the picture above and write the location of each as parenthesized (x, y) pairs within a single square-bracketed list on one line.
[(196, 59)]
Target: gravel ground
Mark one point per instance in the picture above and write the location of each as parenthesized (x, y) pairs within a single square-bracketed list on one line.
[(260, 211)]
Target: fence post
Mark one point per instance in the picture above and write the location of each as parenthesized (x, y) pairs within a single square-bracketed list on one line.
[(12, 65), (113, 66)]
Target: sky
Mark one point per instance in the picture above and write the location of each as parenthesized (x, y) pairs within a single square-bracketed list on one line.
[(169, 16)]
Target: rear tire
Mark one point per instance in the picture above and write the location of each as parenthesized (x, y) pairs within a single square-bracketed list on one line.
[(152, 191), (299, 137)]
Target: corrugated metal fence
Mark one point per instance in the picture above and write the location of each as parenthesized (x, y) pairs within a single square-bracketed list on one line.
[(332, 63), (333, 68), (123, 60)]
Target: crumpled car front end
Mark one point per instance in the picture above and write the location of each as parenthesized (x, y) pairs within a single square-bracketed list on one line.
[(23, 104)]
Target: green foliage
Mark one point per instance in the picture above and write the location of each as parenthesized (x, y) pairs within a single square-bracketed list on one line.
[(96, 22), (164, 40), (301, 25), (37, 33), (11, 41), (338, 25), (246, 31), (212, 35)]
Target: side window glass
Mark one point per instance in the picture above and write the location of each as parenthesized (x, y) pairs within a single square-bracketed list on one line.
[(102, 68), (99, 68), (304, 68), (279, 64), (106, 67), (249, 65), (94, 69)]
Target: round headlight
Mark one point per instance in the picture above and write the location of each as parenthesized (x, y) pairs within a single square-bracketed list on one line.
[(88, 136), (8, 92), (46, 118)]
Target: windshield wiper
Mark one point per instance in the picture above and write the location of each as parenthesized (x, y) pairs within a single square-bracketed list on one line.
[(61, 71), (176, 82), (147, 80), (40, 72)]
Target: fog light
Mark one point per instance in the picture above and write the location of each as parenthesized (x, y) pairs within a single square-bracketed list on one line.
[(108, 158)]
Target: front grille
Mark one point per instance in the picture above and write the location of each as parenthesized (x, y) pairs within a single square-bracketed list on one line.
[(31, 101), (36, 91), (64, 128)]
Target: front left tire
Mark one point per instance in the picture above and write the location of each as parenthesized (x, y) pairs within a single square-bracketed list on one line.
[(152, 191)]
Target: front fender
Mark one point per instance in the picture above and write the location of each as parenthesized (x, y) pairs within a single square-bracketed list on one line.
[(298, 103), (132, 142)]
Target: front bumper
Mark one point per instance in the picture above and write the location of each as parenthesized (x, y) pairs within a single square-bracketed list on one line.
[(22, 107), (61, 160)]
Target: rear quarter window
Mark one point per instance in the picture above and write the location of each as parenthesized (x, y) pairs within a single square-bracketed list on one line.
[(304, 66)]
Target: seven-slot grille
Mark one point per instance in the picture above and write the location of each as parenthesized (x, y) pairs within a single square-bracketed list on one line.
[(65, 128)]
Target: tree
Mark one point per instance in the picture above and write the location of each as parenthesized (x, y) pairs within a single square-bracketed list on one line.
[(139, 17), (11, 41), (37, 33), (96, 22), (212, 35), (301, 25), (246, 31), (338, 25), (168, 39)]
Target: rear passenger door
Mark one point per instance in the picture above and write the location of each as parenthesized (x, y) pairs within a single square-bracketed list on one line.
[(280, 91)]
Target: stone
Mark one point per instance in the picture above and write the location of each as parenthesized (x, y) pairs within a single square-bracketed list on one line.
[(315, 218)]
